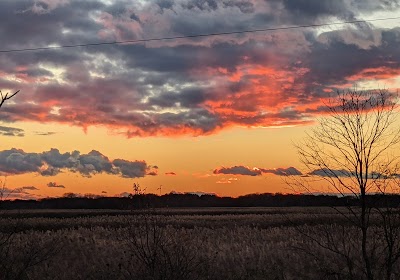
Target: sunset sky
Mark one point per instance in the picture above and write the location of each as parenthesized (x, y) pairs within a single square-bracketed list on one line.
[(216, 114)]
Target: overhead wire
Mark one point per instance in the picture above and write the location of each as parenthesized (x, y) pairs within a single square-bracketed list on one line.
[(194, 35)]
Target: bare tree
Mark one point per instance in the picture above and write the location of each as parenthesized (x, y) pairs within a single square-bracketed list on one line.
[(3, 193), (352, 153), (5, 97), (138, 190), (138, 198), (16, 260)]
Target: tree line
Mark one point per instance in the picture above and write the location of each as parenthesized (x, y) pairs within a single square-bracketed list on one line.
[(193, 200)]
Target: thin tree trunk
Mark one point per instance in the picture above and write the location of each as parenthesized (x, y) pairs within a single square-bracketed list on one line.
[(364, 230)]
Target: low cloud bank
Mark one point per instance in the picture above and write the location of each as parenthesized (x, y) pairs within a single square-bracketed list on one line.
[(51, 163), (255, 171)]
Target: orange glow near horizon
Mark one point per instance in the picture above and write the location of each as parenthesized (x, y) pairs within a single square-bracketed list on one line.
[(191, 159)]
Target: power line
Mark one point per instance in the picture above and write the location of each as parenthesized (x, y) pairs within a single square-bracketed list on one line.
[(192, 36)]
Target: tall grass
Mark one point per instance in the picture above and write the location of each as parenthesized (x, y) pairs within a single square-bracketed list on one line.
[(268, 245)]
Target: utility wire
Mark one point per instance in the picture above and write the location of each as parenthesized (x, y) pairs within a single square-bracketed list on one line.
[(192, 36)]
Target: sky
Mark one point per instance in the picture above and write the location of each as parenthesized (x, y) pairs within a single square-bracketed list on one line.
[(216, 114)]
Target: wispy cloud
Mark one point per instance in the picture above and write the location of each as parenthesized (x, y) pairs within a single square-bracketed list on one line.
[(227, 180), (25, 192), (55, 185), (11, 131), (47, 133)]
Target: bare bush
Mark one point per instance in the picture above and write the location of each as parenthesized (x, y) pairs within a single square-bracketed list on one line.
[(160, 252), (19, 257)]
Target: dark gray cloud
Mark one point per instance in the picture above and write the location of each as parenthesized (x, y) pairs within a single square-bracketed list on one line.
[(244, 6), (342, 60), (16, 161), (290, 171), (134, 169), (310, 10), (55, 185), (93, 163), (238, 170), (325, 172), (190, 86), (247, 171), (334, 173), (44, 28), (30, 188), (52, 162), (207, 5), (11, 131)]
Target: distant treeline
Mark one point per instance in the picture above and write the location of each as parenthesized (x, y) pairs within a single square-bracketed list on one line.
[(193, 200)]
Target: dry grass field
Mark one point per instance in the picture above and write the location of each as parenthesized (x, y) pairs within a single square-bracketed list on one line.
[(206, 243)]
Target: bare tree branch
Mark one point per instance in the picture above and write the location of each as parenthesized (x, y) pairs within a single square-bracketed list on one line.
[(6, 97), (352, 150)]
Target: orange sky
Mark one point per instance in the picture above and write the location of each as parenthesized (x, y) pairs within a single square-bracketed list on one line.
[(192, 159)]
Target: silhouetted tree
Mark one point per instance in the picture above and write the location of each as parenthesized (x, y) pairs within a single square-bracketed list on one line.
[(3, 190), (351, 152), (16, 260)]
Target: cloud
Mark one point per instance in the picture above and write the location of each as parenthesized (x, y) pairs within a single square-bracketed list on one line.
[(193, 86), (133, 169), (170, 173), (16, 161), (55, 185), (325, 172), (46, 6), (52, 162), (47, 133), (227, 180), (282, 171), (94, 162), (11, 131), (238, 170), (31, 188), (19, 193), (21, 190), (255, 171)]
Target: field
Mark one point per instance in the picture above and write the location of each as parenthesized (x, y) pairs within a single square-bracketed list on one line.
[(203, 243)]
